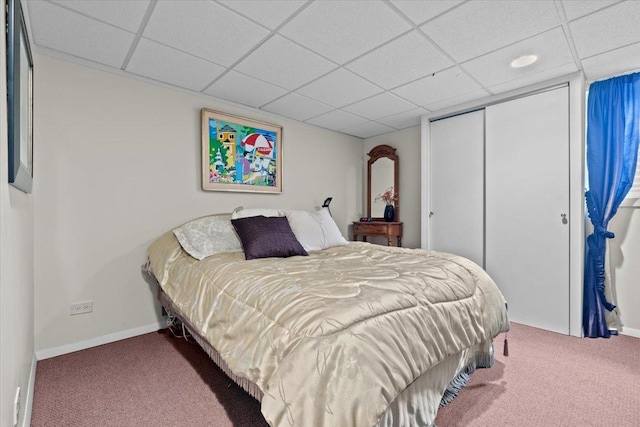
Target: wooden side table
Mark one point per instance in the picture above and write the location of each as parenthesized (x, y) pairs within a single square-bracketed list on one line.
[(378, 228)]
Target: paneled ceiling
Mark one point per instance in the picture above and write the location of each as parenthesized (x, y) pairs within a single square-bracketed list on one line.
[(363, 68)]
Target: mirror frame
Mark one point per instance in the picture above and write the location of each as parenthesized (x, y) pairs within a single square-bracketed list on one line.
[(378, 152)]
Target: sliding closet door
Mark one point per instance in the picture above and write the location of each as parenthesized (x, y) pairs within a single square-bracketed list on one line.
[(527, 207), (456, 185)]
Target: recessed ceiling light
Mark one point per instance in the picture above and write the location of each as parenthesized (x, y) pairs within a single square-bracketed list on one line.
[(523, 61)]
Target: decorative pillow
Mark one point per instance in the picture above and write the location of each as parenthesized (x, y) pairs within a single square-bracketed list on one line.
[(241, 212), (207, 236), (315, 230), (265, 237)]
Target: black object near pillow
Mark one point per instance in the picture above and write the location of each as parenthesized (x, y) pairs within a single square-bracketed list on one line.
[(266, 237)]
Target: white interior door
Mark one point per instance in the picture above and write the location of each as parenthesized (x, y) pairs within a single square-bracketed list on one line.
[(456, 186), (527, 194)]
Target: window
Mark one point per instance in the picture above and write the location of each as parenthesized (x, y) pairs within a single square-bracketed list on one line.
[(634, 193)]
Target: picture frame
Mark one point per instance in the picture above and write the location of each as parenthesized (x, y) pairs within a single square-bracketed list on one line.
[(240, 154), (19, 99)]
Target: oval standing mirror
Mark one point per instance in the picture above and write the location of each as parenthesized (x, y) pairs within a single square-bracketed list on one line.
[(382, 177)]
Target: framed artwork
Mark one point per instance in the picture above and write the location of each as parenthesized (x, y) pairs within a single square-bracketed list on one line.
[(19, 99), (240, 154)]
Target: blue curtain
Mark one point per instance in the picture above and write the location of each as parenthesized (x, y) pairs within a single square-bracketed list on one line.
[(613, 128)]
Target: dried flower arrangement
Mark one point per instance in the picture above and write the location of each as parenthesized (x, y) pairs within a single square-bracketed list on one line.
[(389, 197)]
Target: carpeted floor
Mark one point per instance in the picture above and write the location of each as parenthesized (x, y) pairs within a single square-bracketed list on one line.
[(553, 380), (150, 380), (157, 380)]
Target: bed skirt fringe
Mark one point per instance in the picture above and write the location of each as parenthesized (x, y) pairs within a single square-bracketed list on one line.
[(458, 383), (248, 386), (485, 360), (481, 360)]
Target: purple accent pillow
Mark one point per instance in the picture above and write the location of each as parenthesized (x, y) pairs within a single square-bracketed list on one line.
[(266, 237)]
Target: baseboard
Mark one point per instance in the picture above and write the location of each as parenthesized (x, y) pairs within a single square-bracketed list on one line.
[(630, 331), (94, 342), (28, 399)]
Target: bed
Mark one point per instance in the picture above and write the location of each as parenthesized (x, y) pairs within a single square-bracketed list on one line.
[(351, 335)]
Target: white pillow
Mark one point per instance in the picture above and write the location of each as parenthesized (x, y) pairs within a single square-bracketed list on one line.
[(207, 236), (315, 230), (241, 212)]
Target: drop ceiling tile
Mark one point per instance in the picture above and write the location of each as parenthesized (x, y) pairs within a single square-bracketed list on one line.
[(121, 13), (339, 88), (268, 13), (245, 90), (608, 29), (492, 69), (337, 119), (458, 100), (531, 79), (404, 120), (168, 65), (343, 30), (378, 106), (614, 62), (443, 85), (285, 64), (421, 11), (367, 130), (575, 9), (297, 107), (405, 59), (478, 27), (204, 29), (68, 32)]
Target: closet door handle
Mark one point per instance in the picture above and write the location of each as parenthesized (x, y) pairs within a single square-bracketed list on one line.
[(564, 218), (430, 214)]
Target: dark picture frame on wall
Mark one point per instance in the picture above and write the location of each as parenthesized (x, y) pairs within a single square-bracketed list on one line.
[(19, 99)]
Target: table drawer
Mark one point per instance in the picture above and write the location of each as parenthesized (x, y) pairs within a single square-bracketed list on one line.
[(371, 229)]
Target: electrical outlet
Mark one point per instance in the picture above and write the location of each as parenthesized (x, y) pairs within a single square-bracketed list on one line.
[(16, 407), (81, 307)]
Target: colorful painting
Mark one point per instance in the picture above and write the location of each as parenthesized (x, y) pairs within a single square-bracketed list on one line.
[(240, 154)]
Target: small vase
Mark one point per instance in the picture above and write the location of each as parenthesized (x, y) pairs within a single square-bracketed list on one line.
[(389, 213)]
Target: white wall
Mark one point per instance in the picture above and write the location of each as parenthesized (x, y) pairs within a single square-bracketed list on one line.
[(118, 164), (624, 256), (407, 145), (16, 275)]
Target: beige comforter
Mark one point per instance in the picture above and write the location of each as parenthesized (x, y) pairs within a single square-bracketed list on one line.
[(332, 338)]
